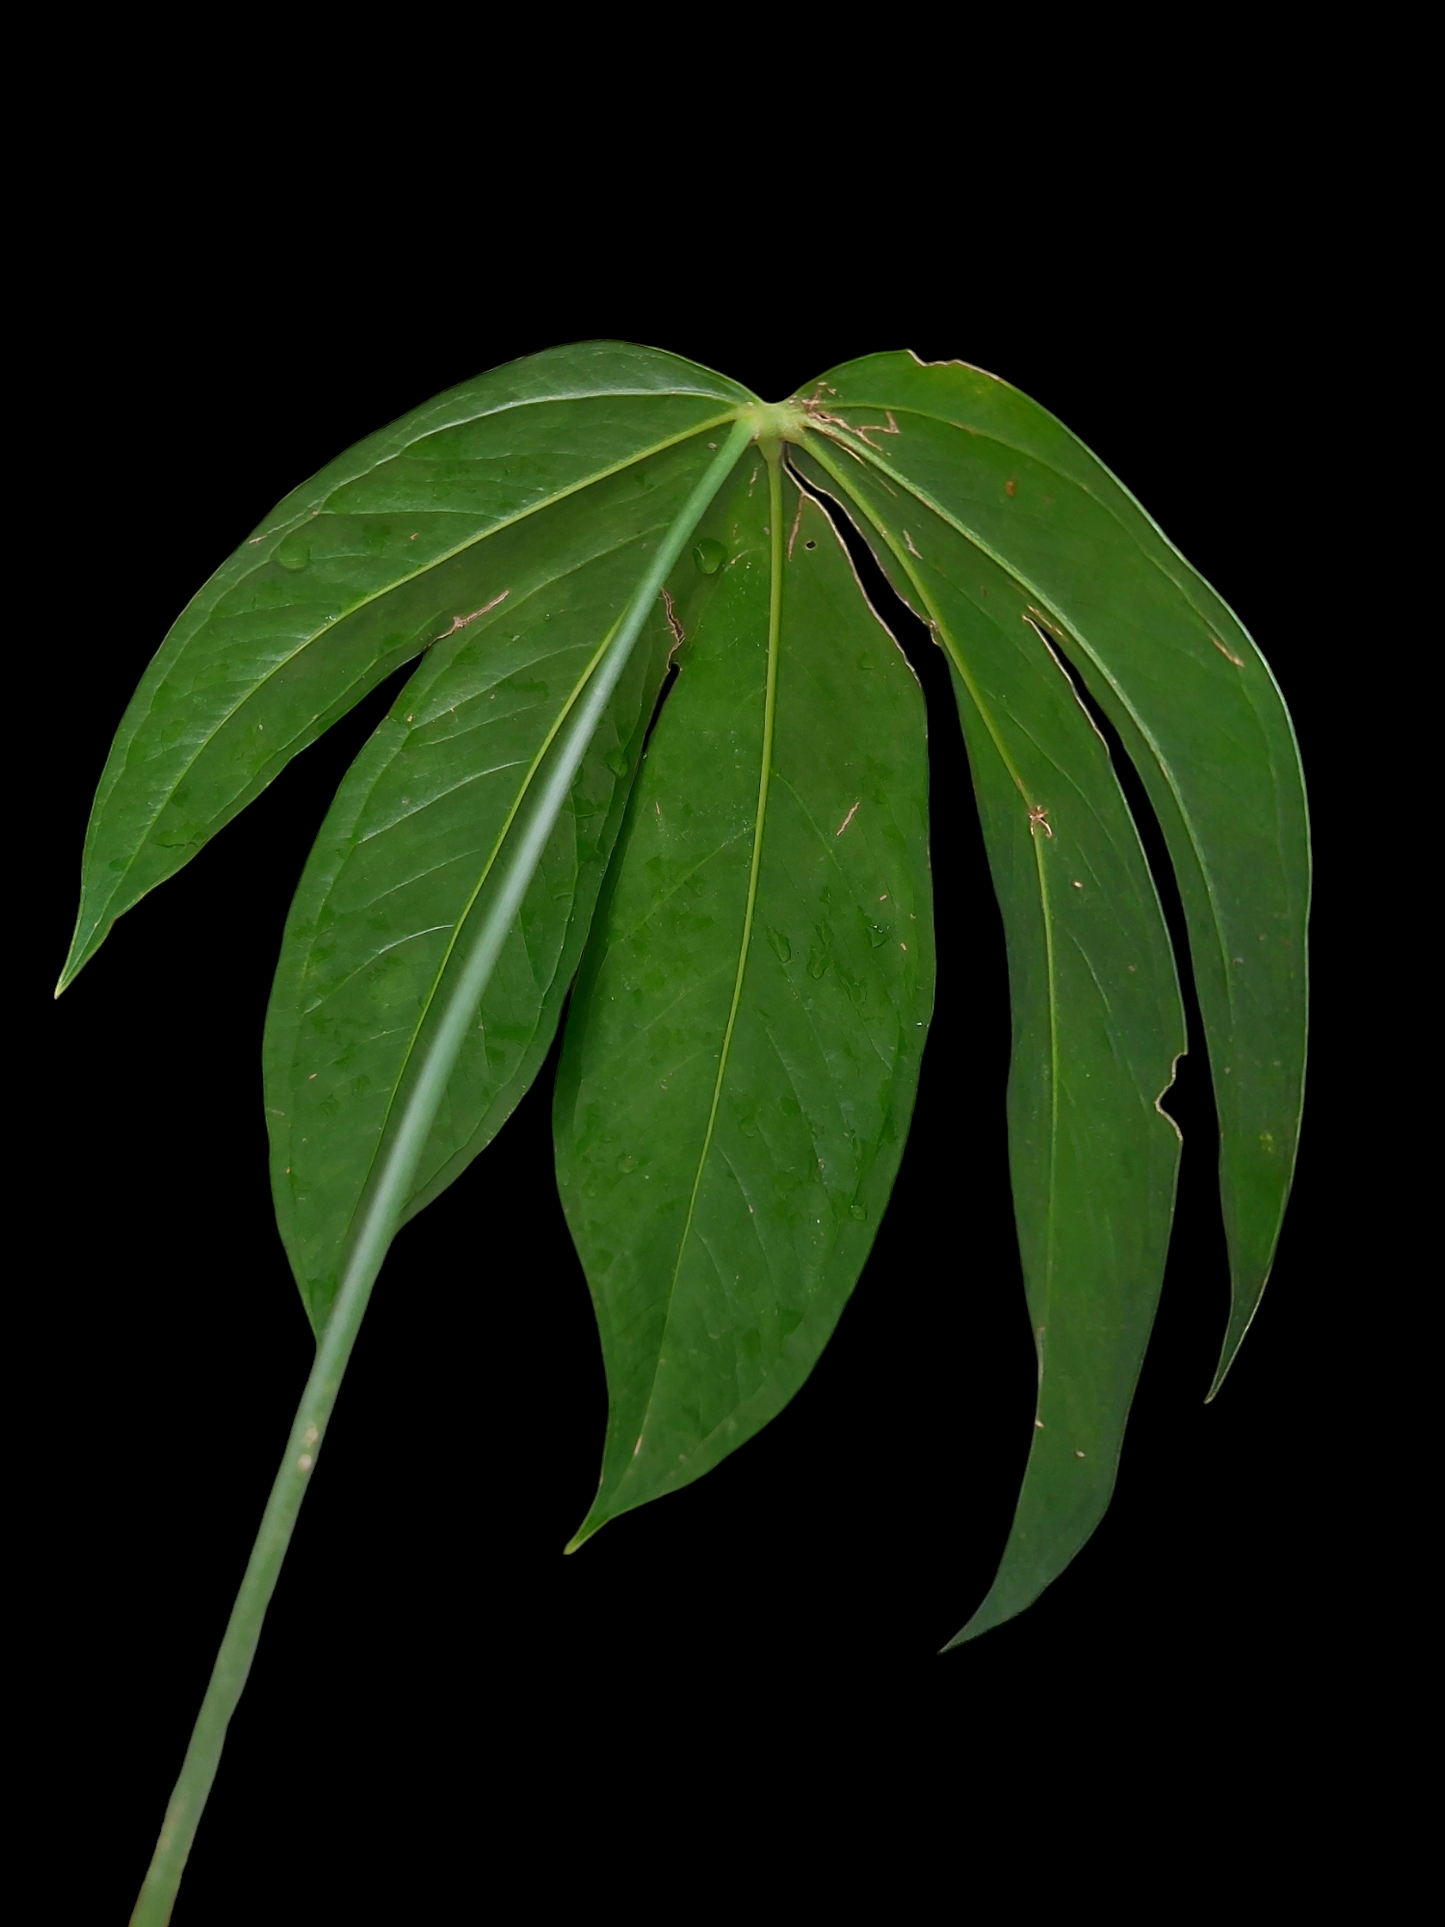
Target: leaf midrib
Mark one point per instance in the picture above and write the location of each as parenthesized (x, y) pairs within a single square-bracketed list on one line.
[(865, 450), (502, 835), (940, 628), (523, 791), (1073, 481), (1069, 629), (775, 608)]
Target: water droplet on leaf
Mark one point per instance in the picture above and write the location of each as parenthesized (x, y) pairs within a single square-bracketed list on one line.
[(709, 555), (781, 947), (293, 552)]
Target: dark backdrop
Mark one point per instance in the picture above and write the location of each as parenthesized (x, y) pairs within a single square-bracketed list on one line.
[(432, 1666)]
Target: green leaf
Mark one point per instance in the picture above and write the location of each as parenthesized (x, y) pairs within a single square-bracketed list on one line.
[(1194, 703), (352, 575), (406, 863), (742, 1053), (395, 1166), (1098, 1022), (749, 901)]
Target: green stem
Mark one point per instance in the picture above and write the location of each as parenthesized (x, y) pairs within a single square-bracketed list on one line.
[(380, 1212)]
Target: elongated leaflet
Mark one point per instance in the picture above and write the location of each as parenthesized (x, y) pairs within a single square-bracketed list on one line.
[(390, 1186)]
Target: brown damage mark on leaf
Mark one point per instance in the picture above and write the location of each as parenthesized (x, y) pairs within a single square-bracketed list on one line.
[(1039, 820), (1010, 487), (821, 417), (867, 429), (679, 634), (460, 622), (953, 361), (1238, 661), (909, 540), (847, 819), (793, 531)]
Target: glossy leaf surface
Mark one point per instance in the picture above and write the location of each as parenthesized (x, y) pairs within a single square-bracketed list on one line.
[(743, 1049), (401, 870), (1097, 1024), (1195, 706), (351, 576), (748, 918)]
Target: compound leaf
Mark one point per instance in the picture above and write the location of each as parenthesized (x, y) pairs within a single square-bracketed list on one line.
[(746, 899), (743, 1047)]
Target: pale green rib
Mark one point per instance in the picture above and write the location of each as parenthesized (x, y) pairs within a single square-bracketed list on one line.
[(770, 701), (866, 453), (379, 1218), (940, 629)]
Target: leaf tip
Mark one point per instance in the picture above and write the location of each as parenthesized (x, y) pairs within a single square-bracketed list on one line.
[(1243, 1308), (73, 967), (1221, 1371), (999, 1605), (83, 946), (590, 1525), (967, 1633)]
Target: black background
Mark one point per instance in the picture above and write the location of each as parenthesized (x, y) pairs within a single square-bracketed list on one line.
[(433, 1671)]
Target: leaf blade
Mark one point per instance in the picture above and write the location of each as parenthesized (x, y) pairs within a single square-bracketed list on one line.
[(349, 577), (1098, 1024), (1197, 709), (406, 861), (741, 1056)]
